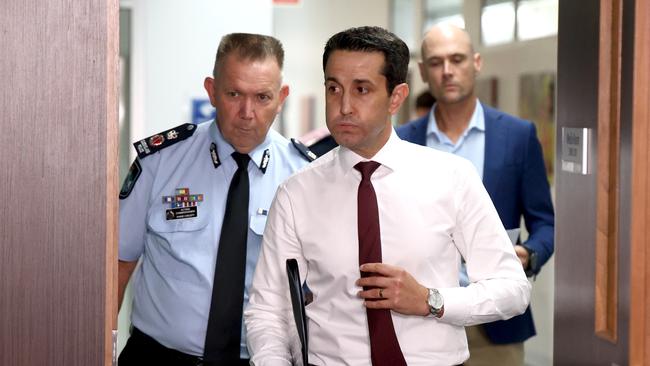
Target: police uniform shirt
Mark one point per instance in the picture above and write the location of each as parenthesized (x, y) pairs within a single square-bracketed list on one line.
[(173, 286)]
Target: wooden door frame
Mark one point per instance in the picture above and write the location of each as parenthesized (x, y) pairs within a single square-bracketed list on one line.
[(640, 243), (607, 198), (112, 177)]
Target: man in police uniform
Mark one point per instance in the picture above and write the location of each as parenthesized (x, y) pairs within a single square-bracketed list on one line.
[(177, 199)]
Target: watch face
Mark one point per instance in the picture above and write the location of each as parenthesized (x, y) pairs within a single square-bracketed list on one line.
[(435, 299)]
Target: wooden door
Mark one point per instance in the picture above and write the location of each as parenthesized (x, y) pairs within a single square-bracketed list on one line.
[(602, 260), (58, 181)]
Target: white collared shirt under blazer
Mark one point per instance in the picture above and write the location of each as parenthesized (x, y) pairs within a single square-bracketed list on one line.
[(433, 208)]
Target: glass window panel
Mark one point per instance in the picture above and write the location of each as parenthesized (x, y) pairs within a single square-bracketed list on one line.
[(402, 13), (443, 11), (457, 20), (536, 18), (497, 22)]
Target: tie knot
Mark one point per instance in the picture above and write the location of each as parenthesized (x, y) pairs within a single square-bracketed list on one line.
[(367, 168), (241, 159)]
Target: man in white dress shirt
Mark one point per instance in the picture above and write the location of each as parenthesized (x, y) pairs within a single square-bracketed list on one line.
[(378, 227)]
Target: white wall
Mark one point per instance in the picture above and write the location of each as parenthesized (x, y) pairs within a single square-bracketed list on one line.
[(173, 49), (174, 45), (303, 30)]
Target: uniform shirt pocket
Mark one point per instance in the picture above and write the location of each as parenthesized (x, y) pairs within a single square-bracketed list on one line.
[(158, 221), (183, 248)]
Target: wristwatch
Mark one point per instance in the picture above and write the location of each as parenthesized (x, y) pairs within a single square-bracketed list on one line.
[(436, 303), (532, 261)]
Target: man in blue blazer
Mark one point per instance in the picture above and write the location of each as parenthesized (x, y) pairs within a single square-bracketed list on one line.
[(506, 153)]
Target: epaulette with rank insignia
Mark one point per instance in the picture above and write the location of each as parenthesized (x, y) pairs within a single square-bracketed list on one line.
[(304, 150), (159, 141)]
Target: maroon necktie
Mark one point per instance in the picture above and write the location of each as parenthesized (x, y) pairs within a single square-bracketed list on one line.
[(384, 347)]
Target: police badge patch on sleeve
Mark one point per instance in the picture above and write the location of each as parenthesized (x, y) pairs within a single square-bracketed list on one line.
[(157, 142), (129, 182)]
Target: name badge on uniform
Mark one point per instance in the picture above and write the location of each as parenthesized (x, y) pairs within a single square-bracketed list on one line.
[(183, 204)]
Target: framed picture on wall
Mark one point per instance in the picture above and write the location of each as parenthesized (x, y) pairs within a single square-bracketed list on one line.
[(537, 104)]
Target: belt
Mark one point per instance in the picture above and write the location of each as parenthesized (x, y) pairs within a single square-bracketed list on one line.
[(149, 345), (172, 356)]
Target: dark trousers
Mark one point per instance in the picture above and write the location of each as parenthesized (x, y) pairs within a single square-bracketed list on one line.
[(142, 350)]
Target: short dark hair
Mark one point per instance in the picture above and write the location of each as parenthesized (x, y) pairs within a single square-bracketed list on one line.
[(425, 100), (253, 47), (374, 39)]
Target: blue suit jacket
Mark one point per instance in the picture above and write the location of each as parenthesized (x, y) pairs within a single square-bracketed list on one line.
[(515, 177)]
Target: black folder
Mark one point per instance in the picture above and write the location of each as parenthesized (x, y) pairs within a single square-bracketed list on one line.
[(298, 304)]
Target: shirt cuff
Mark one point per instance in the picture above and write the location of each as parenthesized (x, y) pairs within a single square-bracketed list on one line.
[(271, 361), (457, 308)]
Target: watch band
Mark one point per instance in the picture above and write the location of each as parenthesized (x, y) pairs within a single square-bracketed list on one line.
[(532, 261)]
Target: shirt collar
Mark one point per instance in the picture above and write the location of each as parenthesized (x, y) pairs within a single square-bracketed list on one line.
[(476, 122), (385, 156), (260, 155)]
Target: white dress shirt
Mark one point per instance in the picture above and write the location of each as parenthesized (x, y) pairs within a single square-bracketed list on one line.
[(432, 208)]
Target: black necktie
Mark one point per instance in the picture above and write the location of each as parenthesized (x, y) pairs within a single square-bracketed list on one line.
[(223, 337), (384, 346)]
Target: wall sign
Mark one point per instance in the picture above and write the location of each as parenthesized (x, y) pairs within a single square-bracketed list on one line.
[(576, 143), (202, 110)]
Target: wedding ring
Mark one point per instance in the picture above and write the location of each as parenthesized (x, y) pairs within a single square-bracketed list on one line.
[(381, 294)]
